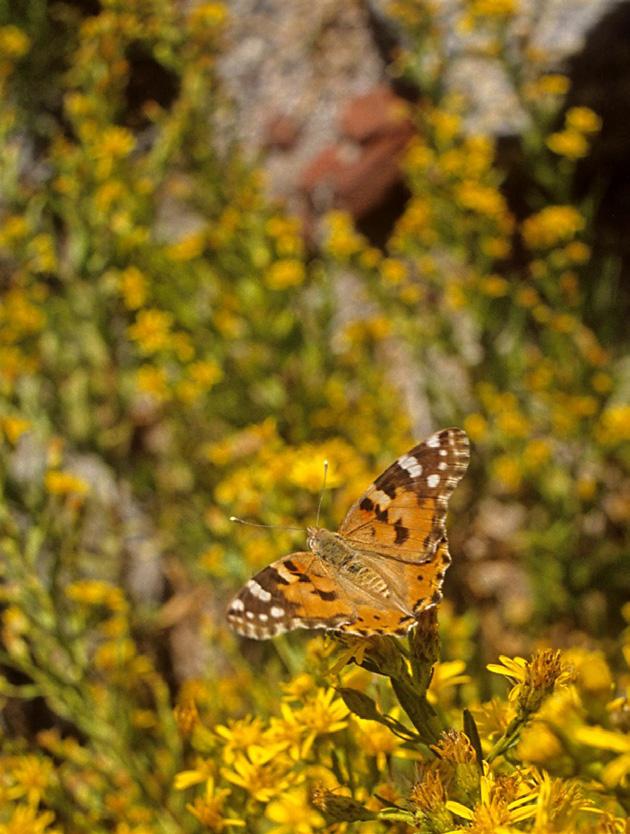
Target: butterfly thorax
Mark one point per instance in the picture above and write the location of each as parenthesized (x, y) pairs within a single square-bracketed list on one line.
[(335, 551), (329, 546)]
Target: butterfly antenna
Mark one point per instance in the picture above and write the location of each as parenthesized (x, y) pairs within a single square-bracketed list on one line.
[(267, 526), (321, 494)]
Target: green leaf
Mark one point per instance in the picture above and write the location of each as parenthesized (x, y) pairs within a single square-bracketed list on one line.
[(361, 704), (470, 728)]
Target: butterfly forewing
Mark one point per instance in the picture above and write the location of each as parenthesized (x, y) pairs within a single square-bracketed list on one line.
[(403, 513)]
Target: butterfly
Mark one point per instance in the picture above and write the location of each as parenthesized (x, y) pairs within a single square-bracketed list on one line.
[(383, 567)]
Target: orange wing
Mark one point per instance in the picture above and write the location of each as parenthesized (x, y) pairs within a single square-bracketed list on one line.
[(403, 513), (299, 591)]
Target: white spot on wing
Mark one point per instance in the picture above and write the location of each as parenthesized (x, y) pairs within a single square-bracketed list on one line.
[(442, 465), (237, 605), (434, 441), (433, 481), (410, 465), (257, 591), (381, 498), (277, 612)]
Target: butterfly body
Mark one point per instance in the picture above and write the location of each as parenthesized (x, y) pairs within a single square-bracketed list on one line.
[(381, 569)]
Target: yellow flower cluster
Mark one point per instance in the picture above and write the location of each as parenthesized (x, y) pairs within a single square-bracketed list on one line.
[(572, 142), (551, 226)]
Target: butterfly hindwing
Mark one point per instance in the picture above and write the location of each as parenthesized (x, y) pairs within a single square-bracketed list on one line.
[(403, 513), (297, 591)]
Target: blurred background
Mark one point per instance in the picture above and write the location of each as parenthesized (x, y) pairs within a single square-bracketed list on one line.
[(238, 239)]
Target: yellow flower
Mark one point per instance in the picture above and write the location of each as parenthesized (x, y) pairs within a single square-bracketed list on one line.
[(61, 482), (116, 142), (239, 735), (378, 742), (538, 744), (342, 240), (483, 199), (602, 382), (30, 777), (476, 425), (96, 592), (202, 772), (445, 124), (534, 679), (583, 119), (614, 425), (578, 252), (151, 330), (285, 273), (493, 285), (323, 713), (527, 297), (552, 225), (446, 675), (208, 809), (264, 772), (26, 819), (153, 381), (14, 427), (393, 271), (14, 42), (568, 143), (499, 807), (133, 287), (512, 423), (492, 8), (537, 452), (189, 247), (293, 813), (558, 804), (552, 84), (208, 14), (206, 373), (508, 472), (419, 157)]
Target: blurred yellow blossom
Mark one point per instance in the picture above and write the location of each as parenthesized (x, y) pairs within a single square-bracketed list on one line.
[(190, 246), (62, 482), (14, 427), (208, 14), (133, 287), (153, 381), (569, 143), (292, 813), (476, 425), (481, 198), (96, 592), (578, 252), (151, 330), (284, 274), (614, 424), (393, 271), (583, 119), (14, 42), (552, 225)]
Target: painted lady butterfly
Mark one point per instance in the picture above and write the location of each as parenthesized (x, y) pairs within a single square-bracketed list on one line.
[(381, 569)]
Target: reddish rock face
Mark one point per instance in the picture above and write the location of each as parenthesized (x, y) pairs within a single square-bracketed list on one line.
[(281, 132), (358, 172), (375, 114)]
